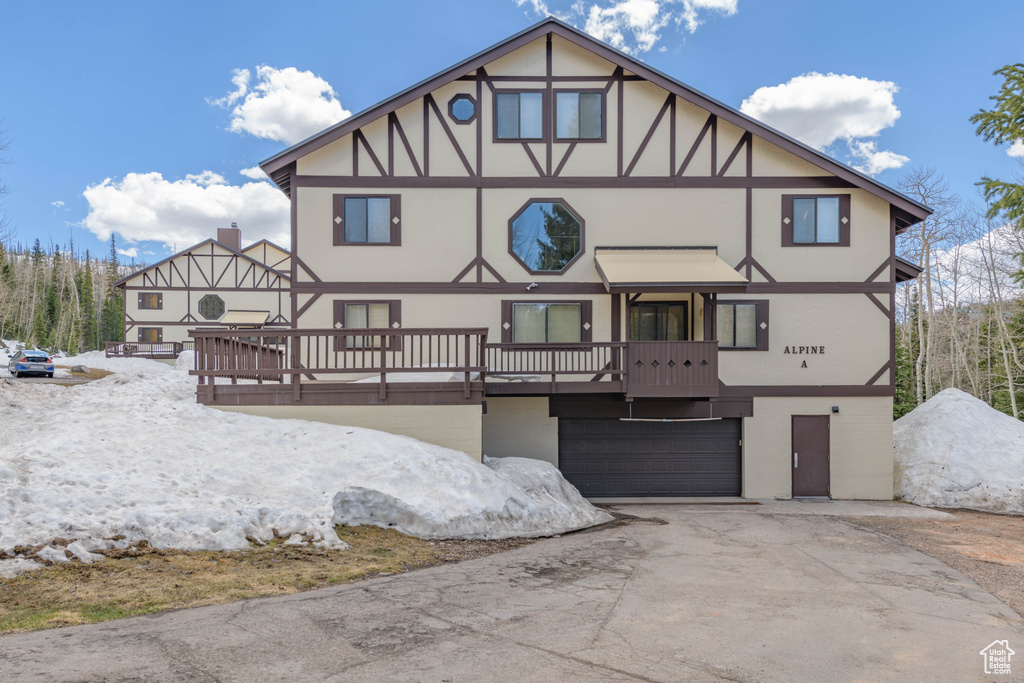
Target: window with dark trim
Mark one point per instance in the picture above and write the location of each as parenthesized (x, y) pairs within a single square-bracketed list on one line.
[(519, 115), (742, 325), (659, 321), (545, 236), (211, 307), (353, 314), (815, 220), (579, 115), (546, 322), (367, 220), (462, 109), (152, 302), (151, 335)]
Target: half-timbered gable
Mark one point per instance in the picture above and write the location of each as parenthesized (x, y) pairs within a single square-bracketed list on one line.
[(198, 286), (616, 246)]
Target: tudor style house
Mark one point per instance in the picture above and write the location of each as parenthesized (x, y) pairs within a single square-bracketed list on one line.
[(552, 250), (214, 283)]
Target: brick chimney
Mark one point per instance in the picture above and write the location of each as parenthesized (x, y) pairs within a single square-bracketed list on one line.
[(230, 237)]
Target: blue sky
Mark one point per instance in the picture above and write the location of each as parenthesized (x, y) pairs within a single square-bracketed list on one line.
[(128, 117)]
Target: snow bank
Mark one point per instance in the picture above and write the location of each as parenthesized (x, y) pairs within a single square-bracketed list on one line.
[(955, 450), (134, 455), (509, 497), (99, 361)]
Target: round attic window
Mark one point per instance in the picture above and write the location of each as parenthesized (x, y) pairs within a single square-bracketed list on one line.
[(462, 108), (546, 236), (211, 307)]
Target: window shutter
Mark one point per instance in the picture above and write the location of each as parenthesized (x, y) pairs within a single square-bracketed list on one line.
[(160, 301), (844, 220), (339, 319), (506, 322), (159, 334), (586, 321), (140, 301), (787, 220), (762, 319), (338, 219), (396, 220)]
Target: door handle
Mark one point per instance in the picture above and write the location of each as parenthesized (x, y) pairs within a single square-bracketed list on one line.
[(796, 460)]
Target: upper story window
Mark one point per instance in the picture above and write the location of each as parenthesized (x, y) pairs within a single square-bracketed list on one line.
[(151, 335), (519, 115), (149, 301), (367, 220), (462, 109), (579, 115), (362, 315), (211, 307), (816, 220), (546, 323), (546, 235), (742, 325)]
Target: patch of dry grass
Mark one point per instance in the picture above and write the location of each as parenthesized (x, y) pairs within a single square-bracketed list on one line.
[(93, 373), (140, 581)]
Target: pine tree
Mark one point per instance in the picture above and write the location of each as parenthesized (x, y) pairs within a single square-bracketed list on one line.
[(1002, 124), (87, 301), (112, 317)]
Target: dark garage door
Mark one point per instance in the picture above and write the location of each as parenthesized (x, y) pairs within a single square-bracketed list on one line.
[(615, 458)]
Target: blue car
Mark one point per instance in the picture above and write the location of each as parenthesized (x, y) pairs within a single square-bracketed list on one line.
[(30, 363)]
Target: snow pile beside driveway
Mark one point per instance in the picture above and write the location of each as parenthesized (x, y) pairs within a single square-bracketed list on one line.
[(133, 455), (507, 497), (98, 360), (956, 451)]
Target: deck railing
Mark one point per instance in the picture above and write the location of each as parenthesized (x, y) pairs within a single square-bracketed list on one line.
[(115, 349), (580, 362), (346, 356)]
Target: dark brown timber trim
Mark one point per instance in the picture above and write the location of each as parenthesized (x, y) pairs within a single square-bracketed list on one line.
[(494, 182), (810, 390), (650, 134)]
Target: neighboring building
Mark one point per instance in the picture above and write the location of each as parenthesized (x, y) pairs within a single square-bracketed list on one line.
[(664, 296), (214, 283)]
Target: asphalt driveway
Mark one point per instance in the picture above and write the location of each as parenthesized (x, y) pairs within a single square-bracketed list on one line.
[(779, 592)]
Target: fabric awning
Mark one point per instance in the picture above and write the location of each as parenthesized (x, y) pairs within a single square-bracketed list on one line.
[(245, 318), (662, 269)]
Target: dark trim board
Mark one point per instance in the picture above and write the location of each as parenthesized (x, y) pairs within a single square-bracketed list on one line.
[(614, 406), (549, 288), (804, 390), (556, 181)]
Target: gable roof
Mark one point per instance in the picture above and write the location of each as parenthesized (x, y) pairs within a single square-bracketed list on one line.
[(268, 243), (907, 211), (239, 254)]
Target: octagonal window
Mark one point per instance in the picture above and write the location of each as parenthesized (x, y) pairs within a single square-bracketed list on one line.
[(462, 108), (211, 307), (546, 236)]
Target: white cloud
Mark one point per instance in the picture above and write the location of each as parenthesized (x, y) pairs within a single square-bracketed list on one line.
[(1016, 149), (630, 25), (130, 253), (692, 10), (57, 204), (821, 109), (146, 207), (286, 105), (254, 172), (874, 162), (634, 26)]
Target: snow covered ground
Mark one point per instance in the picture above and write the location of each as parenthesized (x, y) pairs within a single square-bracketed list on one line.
[(957, 451), (134, 455)]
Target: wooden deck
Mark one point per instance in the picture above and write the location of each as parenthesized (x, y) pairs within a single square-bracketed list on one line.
[(155, 350), (436, 366)]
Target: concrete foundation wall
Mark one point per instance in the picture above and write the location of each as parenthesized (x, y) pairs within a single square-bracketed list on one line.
[(455, 427), (860, 443), (520, 427)]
